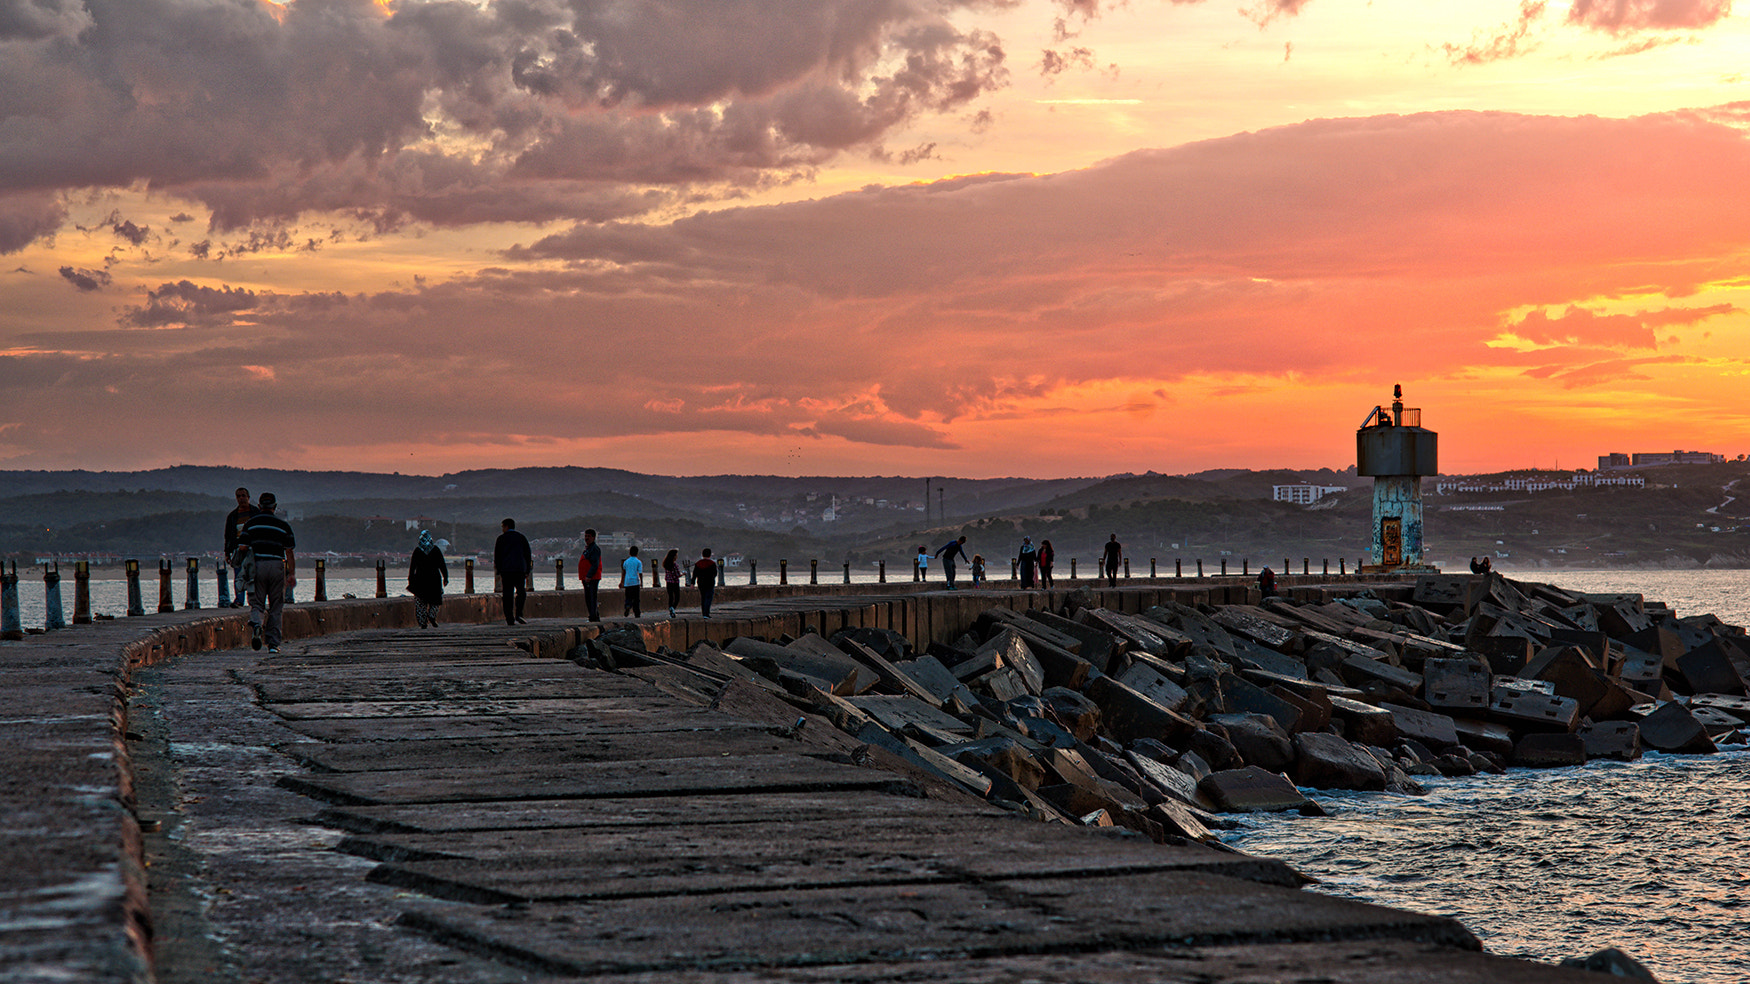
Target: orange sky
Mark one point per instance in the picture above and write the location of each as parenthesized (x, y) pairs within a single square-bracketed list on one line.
[(962, 237)]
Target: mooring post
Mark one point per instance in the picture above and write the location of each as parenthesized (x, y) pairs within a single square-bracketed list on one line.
[(1151, 568), (813, 571), (881, 572), (558, 573), (53, 617), (193, 600), (1127, 568), (321, 579), (81, 592), (1200, 567), (165, 603), (382, 578), (783, 571), (1343, 566), (1224, 567), (136, 605), (753, 572), (1306, 565), (847, 572), (1246, 567), (468, 576), (11, 626), (1072, 568), (1178, 567)]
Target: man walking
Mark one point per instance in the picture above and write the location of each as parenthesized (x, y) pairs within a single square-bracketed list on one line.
[(269, 538), (589, 571), (1114, 554), (234, 554), (947, 553), (514, 561), (705, 576)]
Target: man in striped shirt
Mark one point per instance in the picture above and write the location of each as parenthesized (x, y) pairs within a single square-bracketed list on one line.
[(270, 539)]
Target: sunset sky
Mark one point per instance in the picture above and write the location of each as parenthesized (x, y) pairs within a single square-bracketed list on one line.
[(925, 237)]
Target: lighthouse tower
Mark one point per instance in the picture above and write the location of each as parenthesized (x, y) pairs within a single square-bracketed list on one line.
[(1397, 452)]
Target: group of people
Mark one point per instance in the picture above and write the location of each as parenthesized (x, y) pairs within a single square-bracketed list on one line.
[(1034, 564), (261, 550), (514, 561)]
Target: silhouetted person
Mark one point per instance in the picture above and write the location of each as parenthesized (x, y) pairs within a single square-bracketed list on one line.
[(589, 571), (1047, 558), (514, 561), (947, 552), (1029, 559), (236, 552), (1267, 582), (426, 576), (632, 581), (270, 540), (671, 576), (1113, 556), (705, 576)]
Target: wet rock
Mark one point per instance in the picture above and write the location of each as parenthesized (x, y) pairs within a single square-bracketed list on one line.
[(1129, 715), (1548, 750), (1325, 761), (1709, 670), (1619, 740), (1613, 962), (1211, 745), (1671, 728), (1074, 711), (1456, 686), (1436, 731), (1003, 755), (1251, 790), (1260, 740), (1363, 723), (1453, 765)]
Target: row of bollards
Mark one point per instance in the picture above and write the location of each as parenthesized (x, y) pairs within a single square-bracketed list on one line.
[(55, 618)]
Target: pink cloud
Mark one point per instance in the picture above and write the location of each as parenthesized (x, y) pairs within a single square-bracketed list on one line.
[(1622, 16)]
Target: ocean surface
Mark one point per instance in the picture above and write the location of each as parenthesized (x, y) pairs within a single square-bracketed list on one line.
[(1651, 857)]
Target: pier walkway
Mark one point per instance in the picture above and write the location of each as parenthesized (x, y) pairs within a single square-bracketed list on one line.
[(467, 804)]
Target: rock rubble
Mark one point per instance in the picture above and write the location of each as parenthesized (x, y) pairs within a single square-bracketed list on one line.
[(1161, 720)]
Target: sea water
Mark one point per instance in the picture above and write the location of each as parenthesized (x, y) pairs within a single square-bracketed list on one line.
[(1652, 856)]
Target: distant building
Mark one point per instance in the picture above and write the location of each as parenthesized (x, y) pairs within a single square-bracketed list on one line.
[(1653, 459), (1304, 494)]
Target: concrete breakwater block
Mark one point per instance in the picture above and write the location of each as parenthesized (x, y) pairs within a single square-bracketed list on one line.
[(1252, 790)]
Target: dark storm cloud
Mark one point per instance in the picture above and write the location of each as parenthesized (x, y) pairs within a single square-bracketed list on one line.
[(449, 112), (86, 280)]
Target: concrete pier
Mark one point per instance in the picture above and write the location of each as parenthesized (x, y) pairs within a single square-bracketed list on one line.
[(466, 803)]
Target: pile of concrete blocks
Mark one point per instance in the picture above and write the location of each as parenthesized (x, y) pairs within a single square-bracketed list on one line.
[(1161, 720)]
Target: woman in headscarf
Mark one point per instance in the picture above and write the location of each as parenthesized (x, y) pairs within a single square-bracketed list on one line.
[(427, 574), (1029, 563)]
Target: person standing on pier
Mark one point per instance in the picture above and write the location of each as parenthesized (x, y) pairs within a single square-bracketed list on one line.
[(1114, 555), (269, 539), (671, 577), (705, 576), (514, 561), (1047, 557), (1029, 563), (589, 571), (427, 574), (1267, 582), (947, 552), (632, 581), (235, 554), (923, 563)]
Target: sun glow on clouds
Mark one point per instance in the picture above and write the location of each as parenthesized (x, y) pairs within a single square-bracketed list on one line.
[(789, 239)]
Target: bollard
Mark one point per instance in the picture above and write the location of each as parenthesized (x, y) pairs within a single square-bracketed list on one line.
[(11, 625), (1342, 569), (1014, 568), (1306, 566), (847, 572), (1246, 566), (1224, 567), (193, 600), (1178, 567), (1200, 567), (1127, 568), (222, 574), (468, 576), (753, 572), (136, 606), (82, 592), (1072, 568), (917, 573), (321, 579), (558, 573), (529, 577), (382, 579), (813, 571), (52, 615), (783, 571), (165, 604), (1327, 567), (1151, 568), (1286, 569), (881, 572)]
